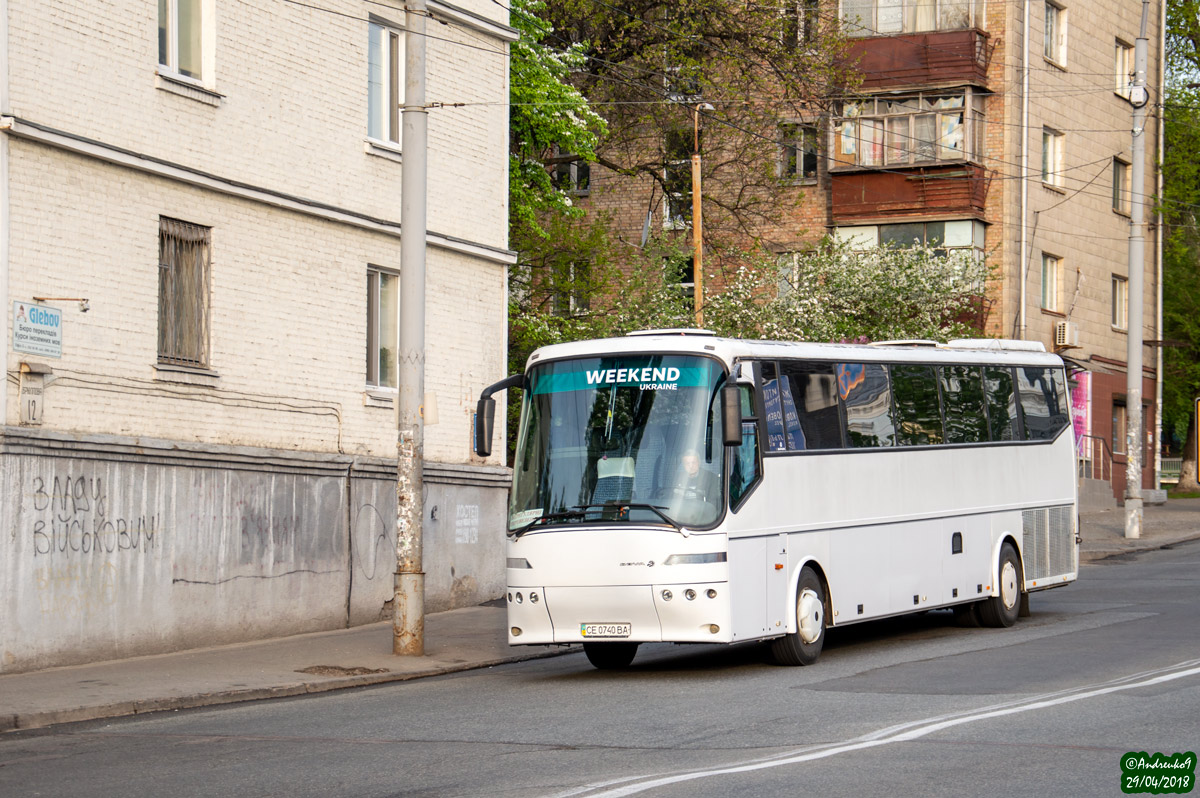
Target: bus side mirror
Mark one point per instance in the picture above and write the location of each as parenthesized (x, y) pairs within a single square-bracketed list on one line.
[(731, 414), (485, 422)]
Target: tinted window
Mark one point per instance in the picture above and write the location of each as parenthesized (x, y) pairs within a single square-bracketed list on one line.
[(867, 395), (962, 398), (918, 412), (1043, 401), (1001, 403), (773, 409), (810, 403)]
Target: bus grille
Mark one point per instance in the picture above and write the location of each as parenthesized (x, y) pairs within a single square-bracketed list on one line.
[(1049, 542)]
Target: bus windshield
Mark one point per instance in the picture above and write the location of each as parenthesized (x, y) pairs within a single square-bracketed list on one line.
[(618, 439)]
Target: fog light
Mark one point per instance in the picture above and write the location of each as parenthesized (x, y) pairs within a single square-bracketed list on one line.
[(712, 593), (689, 594), (510, 598), (666, 595), (533, 597), (712, 627), (516, 631), (519, 599)]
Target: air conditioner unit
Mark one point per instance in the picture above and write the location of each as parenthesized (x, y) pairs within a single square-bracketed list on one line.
[(1066, 335)]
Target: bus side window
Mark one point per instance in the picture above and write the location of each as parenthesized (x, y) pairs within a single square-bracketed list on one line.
[(745, 471), (1001, 403), (962, 396), (1043, 401), (918, 414), (867, 396)]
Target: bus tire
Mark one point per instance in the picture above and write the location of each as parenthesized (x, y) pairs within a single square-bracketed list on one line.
[(803, 646), (610, 656), (1002, 610)]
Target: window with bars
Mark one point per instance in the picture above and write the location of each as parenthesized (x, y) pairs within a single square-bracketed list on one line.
[(184, 265)]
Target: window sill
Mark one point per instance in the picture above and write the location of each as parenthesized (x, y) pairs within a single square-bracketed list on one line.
[(379, 397), (185, 375), (1054, 188), (1122, 214), (1121, 330), (1058, 314), (793, 180), (1060, 66), (186, 87), (382, 149)]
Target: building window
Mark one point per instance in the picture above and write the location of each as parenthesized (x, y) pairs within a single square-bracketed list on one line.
[(180, 37), (1054, 39), (385, 81), (1052, 157), (1120, 302), (1118, 427), (964, 235), (885, 17), (572, 174), (383, 326), (798, 152), (1120, 186), (901, 130), (1124, 69), (681, 273), (571, 289), (799, 19), (184, 264), (677, 180), (1051, 274)]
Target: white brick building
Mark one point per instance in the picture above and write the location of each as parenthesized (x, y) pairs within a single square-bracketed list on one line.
[(213, 457)]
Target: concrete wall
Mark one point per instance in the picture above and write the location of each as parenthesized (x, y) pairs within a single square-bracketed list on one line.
[(116, 547)]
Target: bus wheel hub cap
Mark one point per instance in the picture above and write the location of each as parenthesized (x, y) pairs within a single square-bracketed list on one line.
[(809, 616), (1008, 585)]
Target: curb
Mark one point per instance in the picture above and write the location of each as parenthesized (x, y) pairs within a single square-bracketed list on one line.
[(40, 720)]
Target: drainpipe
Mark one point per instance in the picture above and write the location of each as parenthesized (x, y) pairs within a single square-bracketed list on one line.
[(1022, 268)]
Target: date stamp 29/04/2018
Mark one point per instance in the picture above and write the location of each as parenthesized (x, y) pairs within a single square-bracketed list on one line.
[(1159, 774)]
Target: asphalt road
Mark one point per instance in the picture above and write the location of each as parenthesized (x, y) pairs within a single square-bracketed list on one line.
[(916, 706)]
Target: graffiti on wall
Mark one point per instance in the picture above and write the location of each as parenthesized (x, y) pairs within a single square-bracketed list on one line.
[(71, 518)]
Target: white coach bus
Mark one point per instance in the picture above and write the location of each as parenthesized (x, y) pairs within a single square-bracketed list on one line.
[(675, 486)]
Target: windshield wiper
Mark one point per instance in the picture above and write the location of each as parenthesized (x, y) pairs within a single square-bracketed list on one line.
[(639, 505), (559, 516)]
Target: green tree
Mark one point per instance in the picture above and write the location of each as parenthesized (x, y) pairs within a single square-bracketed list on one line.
[(548, 116), (1180, 206)]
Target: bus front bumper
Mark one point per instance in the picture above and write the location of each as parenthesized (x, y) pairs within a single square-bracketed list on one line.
[(676, 613)]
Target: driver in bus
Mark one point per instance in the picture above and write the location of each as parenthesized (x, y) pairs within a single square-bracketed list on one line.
[(696, 483)]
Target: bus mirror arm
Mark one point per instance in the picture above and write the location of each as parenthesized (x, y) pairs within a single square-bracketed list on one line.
[(731, 414), (485, 413)]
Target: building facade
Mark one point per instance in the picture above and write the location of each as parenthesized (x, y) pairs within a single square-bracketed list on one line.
[(1001, 128), (199, 437)]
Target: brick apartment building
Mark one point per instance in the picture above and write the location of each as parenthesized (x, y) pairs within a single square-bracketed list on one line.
[(199, 260), (994, 126)]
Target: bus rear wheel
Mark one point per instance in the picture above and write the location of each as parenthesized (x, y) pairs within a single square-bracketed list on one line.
[(610, 656), (803, 646), (1002, 610)]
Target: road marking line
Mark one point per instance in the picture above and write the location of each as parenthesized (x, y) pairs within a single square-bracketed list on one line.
[(904, 732)]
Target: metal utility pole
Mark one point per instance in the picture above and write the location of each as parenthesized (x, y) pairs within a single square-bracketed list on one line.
[(408, 605), (1134, 439)]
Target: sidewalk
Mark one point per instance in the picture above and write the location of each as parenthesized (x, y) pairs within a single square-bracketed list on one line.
[(458, 640)]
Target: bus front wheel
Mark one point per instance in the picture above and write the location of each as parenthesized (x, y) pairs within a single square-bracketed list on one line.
[(610, 656), (803, 646), (1002, 610)]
